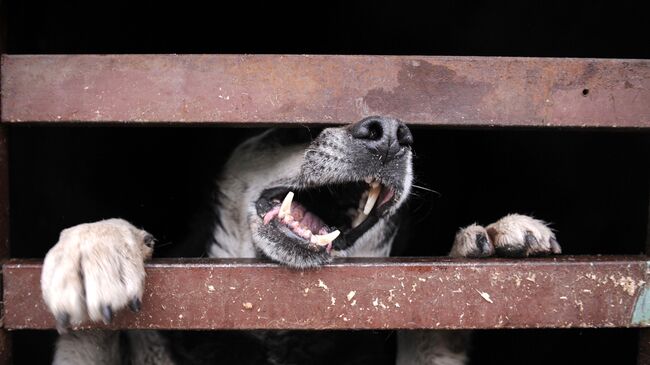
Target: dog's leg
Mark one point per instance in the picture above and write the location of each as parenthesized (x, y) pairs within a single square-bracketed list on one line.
[(514, 235), (95, 270), (88, 347), (111, 347), (419, 347)]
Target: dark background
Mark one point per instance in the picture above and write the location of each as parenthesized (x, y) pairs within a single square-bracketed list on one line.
[(580, 28), (592, 184)]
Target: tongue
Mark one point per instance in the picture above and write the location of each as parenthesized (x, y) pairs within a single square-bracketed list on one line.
[(301, 215), (312, 222)]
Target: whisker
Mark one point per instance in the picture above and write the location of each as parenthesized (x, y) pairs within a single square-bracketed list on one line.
[(159, 245), (426, 189)]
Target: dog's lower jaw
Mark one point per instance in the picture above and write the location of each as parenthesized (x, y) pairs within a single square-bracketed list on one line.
[(288, 253)]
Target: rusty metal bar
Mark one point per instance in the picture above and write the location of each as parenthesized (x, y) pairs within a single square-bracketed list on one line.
[(5, 337), (445, 293), (276, 89)]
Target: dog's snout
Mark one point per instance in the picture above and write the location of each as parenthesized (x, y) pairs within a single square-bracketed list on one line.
[(384, 136)]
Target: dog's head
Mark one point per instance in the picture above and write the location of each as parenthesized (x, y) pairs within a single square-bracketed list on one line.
[(304, 199)]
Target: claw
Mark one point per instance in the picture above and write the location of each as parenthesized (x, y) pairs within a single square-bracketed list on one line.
[(530, 239), (149, 240), (555, 246), (62, 322), (135, 305), (484, 245), (107, 314)]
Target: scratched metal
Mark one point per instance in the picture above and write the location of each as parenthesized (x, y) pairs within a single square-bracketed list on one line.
[(365, 294), (276, 89)]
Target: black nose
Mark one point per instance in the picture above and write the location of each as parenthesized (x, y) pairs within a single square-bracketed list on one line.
[(384, 136)]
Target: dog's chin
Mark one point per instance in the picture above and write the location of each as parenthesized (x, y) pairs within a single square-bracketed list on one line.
[(280, 244)]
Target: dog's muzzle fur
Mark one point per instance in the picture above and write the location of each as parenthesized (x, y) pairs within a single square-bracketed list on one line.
[(347, 184)]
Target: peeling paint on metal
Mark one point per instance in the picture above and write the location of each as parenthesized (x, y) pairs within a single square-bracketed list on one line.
[(641, 314), (271, 89)]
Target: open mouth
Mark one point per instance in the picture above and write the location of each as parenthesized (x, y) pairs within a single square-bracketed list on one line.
[(326, 217)]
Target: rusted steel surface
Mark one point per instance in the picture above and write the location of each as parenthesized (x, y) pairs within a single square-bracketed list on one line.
[(455, 91), (370, 294), (5, 337)]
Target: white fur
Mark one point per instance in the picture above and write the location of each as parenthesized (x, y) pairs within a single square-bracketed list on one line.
[(465, 241), (94, 265), (508, 233), (102, 263), (512, 229)]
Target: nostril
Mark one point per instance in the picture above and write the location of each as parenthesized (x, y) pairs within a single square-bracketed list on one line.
[(375, 130), (370, 129), (404, 135)]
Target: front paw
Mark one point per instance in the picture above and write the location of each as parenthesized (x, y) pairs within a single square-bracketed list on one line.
[(514, 235), (517, 235), (95, 270), (471, 242)]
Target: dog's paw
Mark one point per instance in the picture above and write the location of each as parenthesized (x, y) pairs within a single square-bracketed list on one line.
[(95, 270), (472, 241), (514, 235), (517, 235)]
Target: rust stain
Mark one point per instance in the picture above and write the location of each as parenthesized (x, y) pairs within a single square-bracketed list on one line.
[(277, 89), (427, 89), (403, 293)]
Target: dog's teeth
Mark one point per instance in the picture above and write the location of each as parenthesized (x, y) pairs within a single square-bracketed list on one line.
[(285, 208), (372, 197), (359, 219), (325, 239)]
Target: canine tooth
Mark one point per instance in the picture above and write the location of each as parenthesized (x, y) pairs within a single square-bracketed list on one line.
[(373, 195), (285, 208), (325, 239), (359, 219)]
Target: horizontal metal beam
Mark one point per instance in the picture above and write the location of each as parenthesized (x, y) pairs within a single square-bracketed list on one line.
[(274, 89), (368, 294)]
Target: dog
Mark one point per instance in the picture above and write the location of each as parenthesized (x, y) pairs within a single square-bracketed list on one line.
[(283, 195)]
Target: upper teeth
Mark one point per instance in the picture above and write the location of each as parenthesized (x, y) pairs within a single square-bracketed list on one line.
[(284, 214), (373, 195), (285, 208)]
